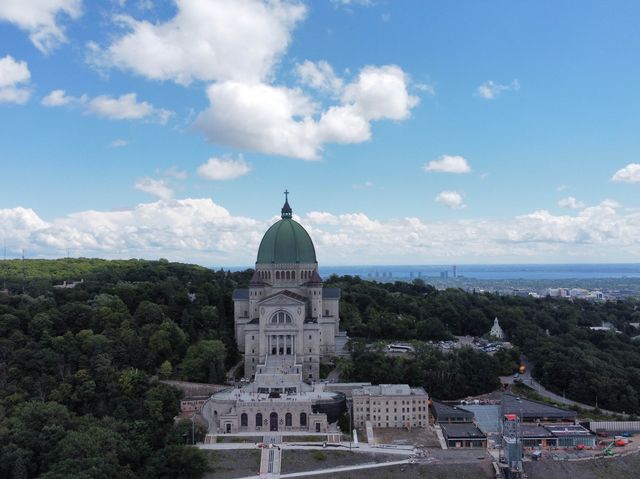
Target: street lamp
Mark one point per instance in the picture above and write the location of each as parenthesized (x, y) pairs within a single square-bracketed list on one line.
[(193, 428)]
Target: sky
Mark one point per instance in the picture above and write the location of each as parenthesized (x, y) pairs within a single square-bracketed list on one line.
[(407, 131)]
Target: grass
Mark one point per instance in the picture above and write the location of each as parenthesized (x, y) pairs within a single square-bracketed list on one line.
[(319, 456)]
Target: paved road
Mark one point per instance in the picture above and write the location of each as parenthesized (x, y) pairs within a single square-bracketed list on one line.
[(338, 469), (527, 379)]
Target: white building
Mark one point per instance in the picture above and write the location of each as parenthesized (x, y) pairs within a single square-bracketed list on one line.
[(286, 312), (496, 330), (390, 405)]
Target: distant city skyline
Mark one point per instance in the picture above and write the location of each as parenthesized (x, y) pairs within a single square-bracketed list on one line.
[(408, 132)]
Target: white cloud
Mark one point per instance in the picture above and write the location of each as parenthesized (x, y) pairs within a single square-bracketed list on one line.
[(211, 40), (175, 173), (60, 98), (490, 90), (41, 19), (628, 174), (571, 203), (380, 92), (158, 188), (124, 107), (119, 143), (319, 75), (225, 168), (202, 231), (448, 164), (13, 77), (426, 88), (284, 121), (451, 199), (362, 186)]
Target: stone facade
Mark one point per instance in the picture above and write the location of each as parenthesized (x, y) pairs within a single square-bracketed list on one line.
[(286, 311), (391, 405)]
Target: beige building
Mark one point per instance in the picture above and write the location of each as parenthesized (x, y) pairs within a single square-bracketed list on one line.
[(285, 311), (391, 405)]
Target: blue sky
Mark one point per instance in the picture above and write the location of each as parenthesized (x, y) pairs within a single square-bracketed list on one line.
[(119, 118)]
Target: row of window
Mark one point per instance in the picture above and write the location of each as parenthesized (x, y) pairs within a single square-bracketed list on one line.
[(395, 409), (304, 274), (395, 418), (288, 419)]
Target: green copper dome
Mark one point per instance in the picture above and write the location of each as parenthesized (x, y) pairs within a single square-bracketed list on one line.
[(286, 242)]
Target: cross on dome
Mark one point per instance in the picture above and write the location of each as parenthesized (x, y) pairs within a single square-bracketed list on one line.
[(287, 212)]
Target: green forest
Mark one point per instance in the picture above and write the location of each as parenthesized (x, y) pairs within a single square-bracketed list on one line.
[(78, 394), (553, 333), (79, 367)]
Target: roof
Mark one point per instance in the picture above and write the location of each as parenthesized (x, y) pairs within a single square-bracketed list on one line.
[(389, 390), (529, 431), (331, 293), (487, 416), (286, 242), (462, 431), (315, 278), (287, 293), (568, 430), (527, 409), (240, 294), (442, 411)]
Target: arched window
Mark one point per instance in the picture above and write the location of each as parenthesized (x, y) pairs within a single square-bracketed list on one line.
[(277, 274), (259, 419), (281, 317), (244, 420), (287, 419), (293, 275), (303, 419), (288, 275), (269, 274)]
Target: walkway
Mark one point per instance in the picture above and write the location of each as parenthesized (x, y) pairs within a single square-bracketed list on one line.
[(271, 458)]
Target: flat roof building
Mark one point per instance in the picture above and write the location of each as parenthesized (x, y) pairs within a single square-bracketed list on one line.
[(529, 410), (443, 413), (463, 435), (391, 405)]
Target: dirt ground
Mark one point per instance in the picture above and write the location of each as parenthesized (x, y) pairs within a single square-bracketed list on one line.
[(421, 437), (433, 471), (233, 463), (298, 460), (611, 468)]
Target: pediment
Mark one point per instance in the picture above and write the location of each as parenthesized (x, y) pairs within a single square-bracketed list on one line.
[(283, 298)]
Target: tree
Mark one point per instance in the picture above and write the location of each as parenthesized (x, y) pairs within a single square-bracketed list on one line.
[(165, 370), (177, 462), (204, 362)]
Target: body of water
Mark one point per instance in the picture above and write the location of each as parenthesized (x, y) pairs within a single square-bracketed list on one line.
[(490, 272)]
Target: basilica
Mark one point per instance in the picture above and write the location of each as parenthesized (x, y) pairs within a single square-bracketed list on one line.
[(286, 314), (286, 323)]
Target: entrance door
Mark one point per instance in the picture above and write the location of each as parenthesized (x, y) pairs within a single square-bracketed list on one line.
[(273, 421), (317, 427)]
